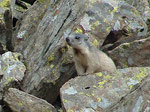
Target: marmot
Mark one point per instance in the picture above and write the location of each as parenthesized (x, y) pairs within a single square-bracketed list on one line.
[(87, 58)]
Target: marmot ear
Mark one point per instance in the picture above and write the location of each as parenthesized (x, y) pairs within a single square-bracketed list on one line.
[(86, 38)]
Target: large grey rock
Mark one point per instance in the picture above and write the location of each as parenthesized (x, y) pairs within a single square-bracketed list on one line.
[(96, 92), (135, 101), (18, 9), (113, 15), (39, 37), (99, 19), (129, 19), (132, 54), (142, 7), (12, 70), (20, 101), (5, 25), (129, 26)]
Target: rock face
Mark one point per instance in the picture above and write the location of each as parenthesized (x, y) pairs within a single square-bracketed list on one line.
[(132, 54), (96, 93), (113, 15), (5, 25), (39, 39), (11, 70), (20, 101), (135, 101)]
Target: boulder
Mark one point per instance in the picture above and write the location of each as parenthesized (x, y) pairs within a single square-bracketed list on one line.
[(104, 17), (134, 54), (97, 92), (11, 70), (5, 26), (135, 101), (129, 26), (98, 20), (18, 7), (142, 7), (130, 20), (19, 101), (39, 37)]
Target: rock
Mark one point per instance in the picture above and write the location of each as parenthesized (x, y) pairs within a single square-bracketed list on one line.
[(29, 1), (0, 108), (5, 25), (18, 8), (20, 101), (129, 19), (27, 25), (99, 19), (135, 101), (129, 26), (99, 91), (142, 6), (39, 37), (11, 70), (132, 54), (102, 17)]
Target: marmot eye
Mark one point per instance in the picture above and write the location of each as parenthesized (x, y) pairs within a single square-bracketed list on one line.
[(77, 37)]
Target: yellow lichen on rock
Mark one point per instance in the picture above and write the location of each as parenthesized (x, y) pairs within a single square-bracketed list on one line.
[(78, 30), (51, 66), (94, 25), (107, 77), (41, 1), (20, 104), (99, 74), (5, 3), (95, 43), (125, 64), (115, 9), (101, 84), (99, 99), (51, 57), (141, 75)]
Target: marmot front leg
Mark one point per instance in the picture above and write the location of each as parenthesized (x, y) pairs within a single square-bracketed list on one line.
[(80, 70), (89, 70)]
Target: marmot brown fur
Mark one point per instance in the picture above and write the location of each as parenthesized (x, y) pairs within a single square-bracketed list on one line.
[(87, 58)]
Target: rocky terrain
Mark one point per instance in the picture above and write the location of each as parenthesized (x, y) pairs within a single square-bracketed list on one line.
[(37, 72)]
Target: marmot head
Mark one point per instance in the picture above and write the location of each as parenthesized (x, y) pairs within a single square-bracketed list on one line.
[(77, 40)]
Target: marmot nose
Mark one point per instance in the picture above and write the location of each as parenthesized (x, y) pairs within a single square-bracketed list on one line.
[(67, 39)]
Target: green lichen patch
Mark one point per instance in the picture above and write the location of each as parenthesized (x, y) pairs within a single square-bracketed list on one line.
[(101, 84), (115, 9), (5, 3), (63, 50), (99, 74), (99, 99), (126, 45), (107, 77), (78, 30), (51, 66), (47, 110), (125, 64), (94, 25), (50, 58), (95, 43), (141, 75), (20, 104), (10, 79), (41, 1)]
